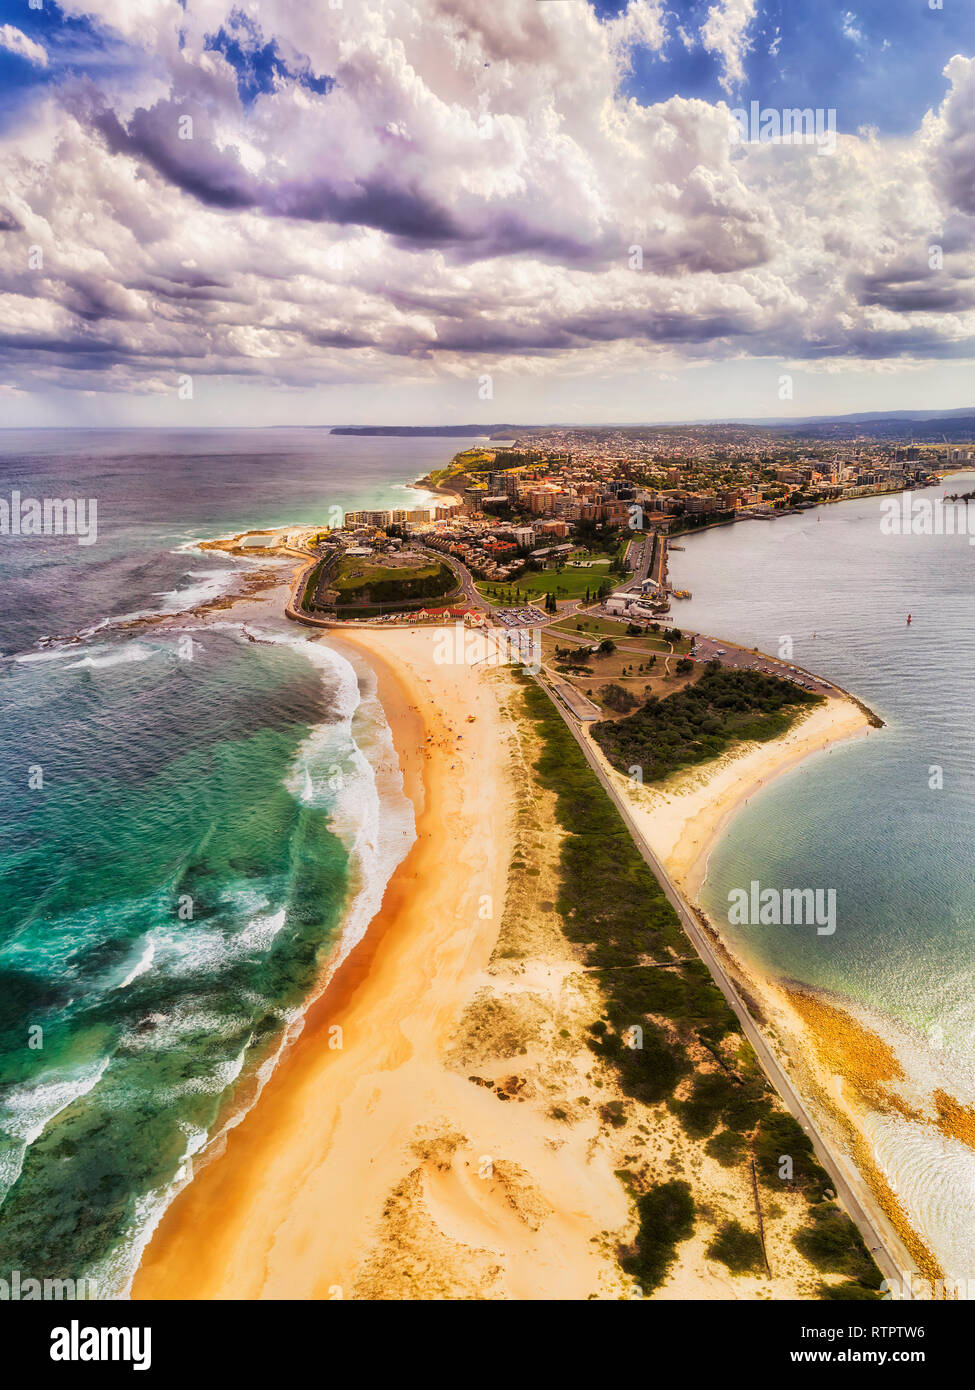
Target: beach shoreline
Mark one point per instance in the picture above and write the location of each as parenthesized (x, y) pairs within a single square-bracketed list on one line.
[(258, 1222), (395, 998)]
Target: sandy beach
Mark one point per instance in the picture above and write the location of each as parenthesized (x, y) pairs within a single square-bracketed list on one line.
[(377, 1169), (683, 819), (440, 1127), (286, 1208)]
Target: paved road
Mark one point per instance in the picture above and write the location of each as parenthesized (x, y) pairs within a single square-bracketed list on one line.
[(881, 1251), (471, 597), (660, 569)]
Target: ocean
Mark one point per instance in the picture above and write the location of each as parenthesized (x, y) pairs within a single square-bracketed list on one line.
[(197, 821), (885, 821)]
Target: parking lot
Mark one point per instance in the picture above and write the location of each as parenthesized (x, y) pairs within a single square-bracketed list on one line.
[(520, 617), (708, 649)]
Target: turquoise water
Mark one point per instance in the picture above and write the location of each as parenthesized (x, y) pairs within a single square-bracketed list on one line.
[(189, 836), (868, 819)]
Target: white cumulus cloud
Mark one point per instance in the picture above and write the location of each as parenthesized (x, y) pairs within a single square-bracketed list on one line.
[(725, 33), (15, 41)]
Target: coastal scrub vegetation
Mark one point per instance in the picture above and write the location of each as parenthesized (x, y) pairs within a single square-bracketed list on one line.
[(727, 1147), (666, 1215), (614, 909), (833, 1244), (780, 1136), (725, 706), (739, 1249), (311, 586)]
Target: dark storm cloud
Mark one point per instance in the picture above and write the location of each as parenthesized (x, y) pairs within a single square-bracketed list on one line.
[(408, 213), (906, 293), (197, 165)]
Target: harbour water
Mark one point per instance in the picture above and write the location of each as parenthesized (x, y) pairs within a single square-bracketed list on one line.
[(887, 821)]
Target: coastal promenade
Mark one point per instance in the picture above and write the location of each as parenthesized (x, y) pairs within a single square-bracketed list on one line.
[(886, 1248)]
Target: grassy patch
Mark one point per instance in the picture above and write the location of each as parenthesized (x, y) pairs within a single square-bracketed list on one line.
[(359, 580), (568, 583), (595, 627)]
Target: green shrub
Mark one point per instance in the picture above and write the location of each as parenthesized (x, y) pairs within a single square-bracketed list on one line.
[(737, 1248), (833, 1244), (847, 1293), (666, 1215), (727, 1147)]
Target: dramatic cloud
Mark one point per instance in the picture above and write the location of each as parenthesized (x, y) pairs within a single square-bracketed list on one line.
[(411, 190)]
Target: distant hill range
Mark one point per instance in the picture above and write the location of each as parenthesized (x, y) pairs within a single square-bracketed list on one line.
[(436, 431), (919, 426)]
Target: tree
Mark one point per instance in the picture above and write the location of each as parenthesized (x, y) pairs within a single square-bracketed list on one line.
[(614, 697), (606, 647)]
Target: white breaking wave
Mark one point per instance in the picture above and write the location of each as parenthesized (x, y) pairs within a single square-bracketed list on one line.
[(58, 655), (190, 949), (117, 656), (28, 1110), (209, 584), (366, 804), (141, 965)]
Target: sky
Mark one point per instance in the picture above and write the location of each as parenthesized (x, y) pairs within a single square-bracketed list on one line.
[(530, 211)]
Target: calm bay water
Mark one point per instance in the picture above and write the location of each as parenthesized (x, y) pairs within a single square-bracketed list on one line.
[(184, 842), (868, 818)]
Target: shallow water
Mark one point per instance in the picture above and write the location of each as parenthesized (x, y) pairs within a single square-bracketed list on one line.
[(886, 821)]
